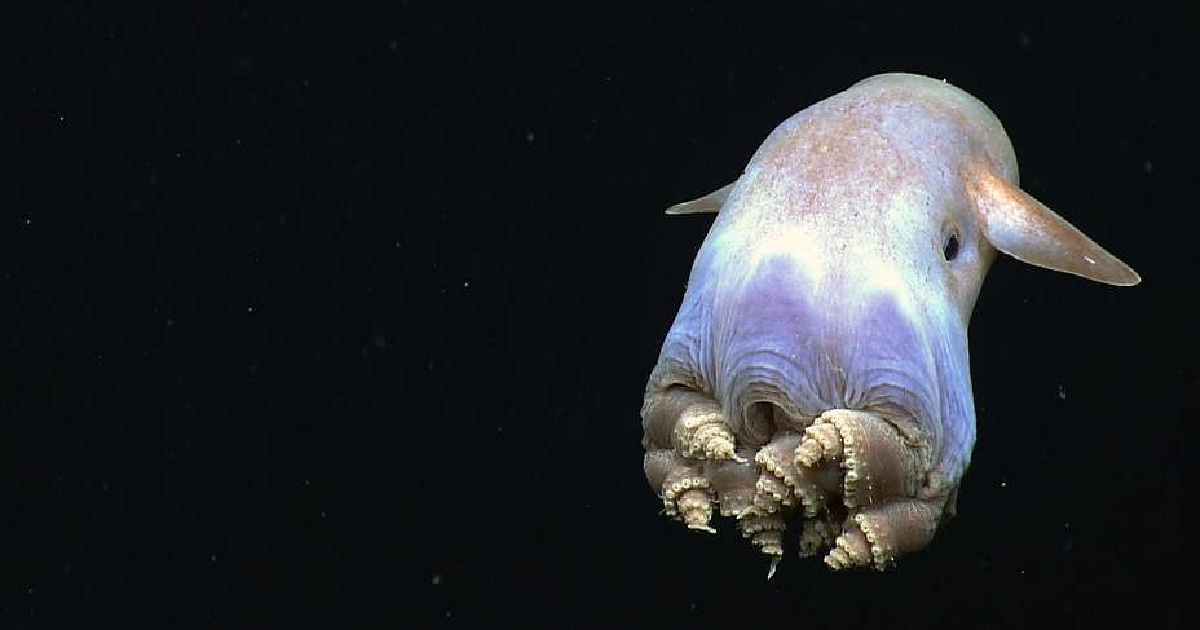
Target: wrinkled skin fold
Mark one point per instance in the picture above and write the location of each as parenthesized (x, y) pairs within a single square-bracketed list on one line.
[(816, 376)]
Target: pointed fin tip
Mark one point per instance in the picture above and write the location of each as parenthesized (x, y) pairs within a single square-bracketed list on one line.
[(711, 202), (1127, 278)]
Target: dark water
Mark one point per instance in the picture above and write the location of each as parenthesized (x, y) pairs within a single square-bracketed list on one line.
[(340, 317)]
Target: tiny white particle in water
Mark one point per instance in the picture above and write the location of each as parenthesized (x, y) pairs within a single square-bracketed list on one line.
[(529, 136), (1062, 392), (249, 309), (436, 579)]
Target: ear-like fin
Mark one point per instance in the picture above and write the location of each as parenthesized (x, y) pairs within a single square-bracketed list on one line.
[(1020, 226), (711, 202)]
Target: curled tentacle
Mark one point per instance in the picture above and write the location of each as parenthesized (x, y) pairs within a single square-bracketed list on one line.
[(898, 528), (882, 474), (765, 531), (879, 463), (685, 491), (783, 480), (851, 549), (883, 532), (690, 422)]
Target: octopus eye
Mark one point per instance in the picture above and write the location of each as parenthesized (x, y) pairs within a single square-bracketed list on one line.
[(950, 248)]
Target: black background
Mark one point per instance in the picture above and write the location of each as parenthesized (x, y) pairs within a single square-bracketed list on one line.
[(340, 316)]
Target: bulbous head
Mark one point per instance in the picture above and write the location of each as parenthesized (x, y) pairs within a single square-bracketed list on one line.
[(865, 189)]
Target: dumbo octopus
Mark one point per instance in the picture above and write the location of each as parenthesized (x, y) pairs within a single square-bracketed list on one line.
[(816, 373)]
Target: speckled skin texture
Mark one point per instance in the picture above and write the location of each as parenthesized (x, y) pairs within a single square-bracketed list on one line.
[(816, 375)]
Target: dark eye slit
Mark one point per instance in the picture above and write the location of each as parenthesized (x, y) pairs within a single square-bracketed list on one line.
[(950, 249)]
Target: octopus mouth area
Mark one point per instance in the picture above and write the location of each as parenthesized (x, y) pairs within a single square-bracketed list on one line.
[(858, 486)]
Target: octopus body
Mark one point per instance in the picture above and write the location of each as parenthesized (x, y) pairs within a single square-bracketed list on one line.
[(816, 375)]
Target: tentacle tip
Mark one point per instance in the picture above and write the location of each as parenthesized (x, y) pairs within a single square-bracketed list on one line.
[(774, 565), (881, 551), (698, 517), (721, 451), (808, 454), (771, 547), (850, 550), (837, 560)]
